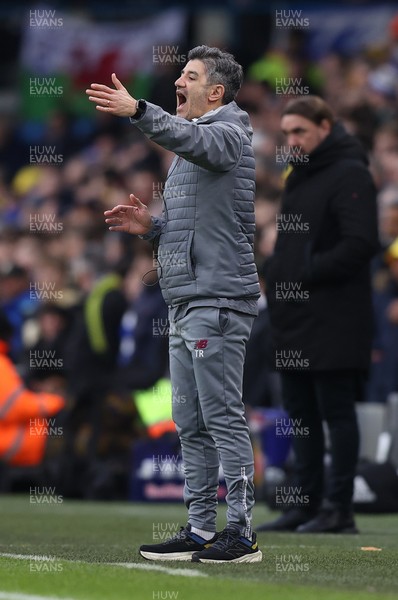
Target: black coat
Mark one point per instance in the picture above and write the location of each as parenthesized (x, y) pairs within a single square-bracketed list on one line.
[(261, 386), (318, 281)]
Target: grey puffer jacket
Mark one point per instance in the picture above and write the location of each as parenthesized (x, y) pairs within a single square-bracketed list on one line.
[(206, 232)]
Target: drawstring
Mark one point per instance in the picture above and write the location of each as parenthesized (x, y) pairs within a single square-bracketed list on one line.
[(155, 255), (145, 275)]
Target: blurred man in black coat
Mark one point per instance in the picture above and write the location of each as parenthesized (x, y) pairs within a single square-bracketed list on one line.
[(319, 295)]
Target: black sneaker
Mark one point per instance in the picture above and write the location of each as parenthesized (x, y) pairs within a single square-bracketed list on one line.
[(179, 547), (330, 521), (232, 547), (289, 521)]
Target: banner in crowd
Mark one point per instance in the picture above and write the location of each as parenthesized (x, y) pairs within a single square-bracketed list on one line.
[(348, 30), (66, 53)]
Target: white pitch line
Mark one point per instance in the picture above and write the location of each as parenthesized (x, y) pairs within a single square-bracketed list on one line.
[(138, 566), (151, 567), (268, 547), (18, 596), (29, 557)]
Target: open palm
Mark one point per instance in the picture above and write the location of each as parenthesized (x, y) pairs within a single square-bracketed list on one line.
[(134, 218)]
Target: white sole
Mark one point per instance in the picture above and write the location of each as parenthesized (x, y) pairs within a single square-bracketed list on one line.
[(181, 556), (247, 558)]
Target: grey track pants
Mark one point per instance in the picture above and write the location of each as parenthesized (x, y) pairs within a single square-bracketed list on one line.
[(207, 350)]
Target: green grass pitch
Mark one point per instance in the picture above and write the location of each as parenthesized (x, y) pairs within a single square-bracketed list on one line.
[(89, 550)]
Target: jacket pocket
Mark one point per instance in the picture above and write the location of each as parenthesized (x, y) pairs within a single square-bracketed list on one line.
[(223, 319), (189, 256)]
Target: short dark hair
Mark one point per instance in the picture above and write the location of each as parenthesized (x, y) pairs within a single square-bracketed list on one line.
[(313, 108), (221, 68)]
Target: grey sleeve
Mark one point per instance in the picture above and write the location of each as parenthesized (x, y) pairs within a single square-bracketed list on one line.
[(157, 225), (214, 146)]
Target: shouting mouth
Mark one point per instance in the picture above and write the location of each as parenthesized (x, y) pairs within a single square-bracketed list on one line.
[(181, 100)]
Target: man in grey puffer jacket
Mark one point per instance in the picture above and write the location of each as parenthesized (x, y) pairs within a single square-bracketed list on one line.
[(209, 281)]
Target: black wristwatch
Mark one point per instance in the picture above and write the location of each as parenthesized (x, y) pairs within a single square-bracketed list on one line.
[(141, 108)]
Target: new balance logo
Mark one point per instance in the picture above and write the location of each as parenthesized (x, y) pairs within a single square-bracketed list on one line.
[(199, 346)]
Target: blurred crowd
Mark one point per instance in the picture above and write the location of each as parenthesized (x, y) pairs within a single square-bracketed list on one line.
[(88, 319)]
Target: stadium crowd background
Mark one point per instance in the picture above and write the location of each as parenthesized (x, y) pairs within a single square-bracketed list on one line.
[(89, 321)]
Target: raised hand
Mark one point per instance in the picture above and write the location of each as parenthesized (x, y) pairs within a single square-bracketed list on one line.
[(134, 218), (113, 101)]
